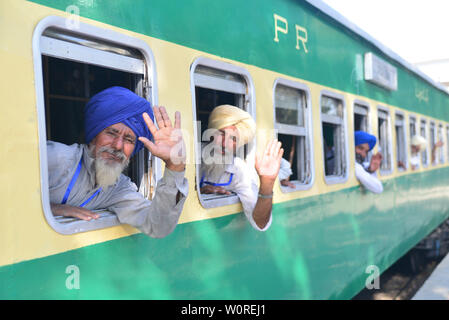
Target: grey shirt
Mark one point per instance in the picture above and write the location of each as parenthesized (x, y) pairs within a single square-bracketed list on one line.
[(156, 218)]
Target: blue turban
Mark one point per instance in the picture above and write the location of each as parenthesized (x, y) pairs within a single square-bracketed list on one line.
[(115, 105), (362, 137)]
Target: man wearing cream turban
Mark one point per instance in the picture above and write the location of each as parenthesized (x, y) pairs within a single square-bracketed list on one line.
[(419, 144), (223, 169), (86, 177)]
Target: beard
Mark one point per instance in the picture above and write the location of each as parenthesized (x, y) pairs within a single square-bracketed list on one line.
[(359, 158), (107, 172)]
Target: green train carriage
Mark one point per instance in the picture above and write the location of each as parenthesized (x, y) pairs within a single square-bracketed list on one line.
[(326, 233)]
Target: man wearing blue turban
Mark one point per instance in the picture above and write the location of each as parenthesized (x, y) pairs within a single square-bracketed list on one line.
[(86, 177), (365, 142)]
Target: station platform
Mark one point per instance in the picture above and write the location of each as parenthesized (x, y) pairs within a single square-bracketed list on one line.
[(436, 286)]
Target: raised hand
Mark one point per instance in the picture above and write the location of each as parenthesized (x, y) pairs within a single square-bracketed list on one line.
[(269, 163), (168, 142), (376, 160)]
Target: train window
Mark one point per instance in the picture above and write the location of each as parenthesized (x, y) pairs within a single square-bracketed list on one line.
[(292, 122), (432, 141), (384, 135), (70, 67), (447, 143), (401, 145), (423, 133), (215, 83), (440, 152), (412, 130), (335, 154), (361, 110)]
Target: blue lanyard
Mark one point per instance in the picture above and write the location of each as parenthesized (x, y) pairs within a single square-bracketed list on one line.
[(72, 183), (216, 184)]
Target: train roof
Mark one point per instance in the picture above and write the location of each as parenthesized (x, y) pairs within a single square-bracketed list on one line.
[(332, 13)]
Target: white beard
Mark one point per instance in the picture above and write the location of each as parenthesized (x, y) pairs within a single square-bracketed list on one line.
[(107, 172)]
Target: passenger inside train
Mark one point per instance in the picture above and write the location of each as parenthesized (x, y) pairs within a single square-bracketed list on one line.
[(365, 142), (418, 145), (87, 177), (223, 169)]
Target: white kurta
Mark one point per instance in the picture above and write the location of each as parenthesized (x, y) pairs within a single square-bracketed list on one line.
[(244, 184), (368, 180)]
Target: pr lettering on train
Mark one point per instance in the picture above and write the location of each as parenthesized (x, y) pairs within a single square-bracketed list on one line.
[(281, 25)]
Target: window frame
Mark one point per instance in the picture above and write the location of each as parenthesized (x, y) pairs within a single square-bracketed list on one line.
[(41, 46), (389, 139), (404, 134), (432, 124), (446, 126), (426, 129), (307, 126), (365, 105), (217, 200), (441, 156), (331, 180)]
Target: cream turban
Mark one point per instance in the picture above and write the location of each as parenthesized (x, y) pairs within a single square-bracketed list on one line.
[(420, 142), (227, 115)]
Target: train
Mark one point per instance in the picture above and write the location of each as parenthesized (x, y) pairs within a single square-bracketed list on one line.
[(304, 72)]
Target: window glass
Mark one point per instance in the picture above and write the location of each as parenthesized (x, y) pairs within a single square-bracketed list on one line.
[(384, 140), (360, 118), (293, 132), (447, 143), (423, 133), (432, 141), (440, 149), (331, 106), (289, 106), (401, 147), (334, 142)]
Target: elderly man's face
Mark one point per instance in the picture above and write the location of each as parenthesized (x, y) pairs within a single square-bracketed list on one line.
[(415, 149), (115, 143), (362, 151), (111, 149), (226, 139)]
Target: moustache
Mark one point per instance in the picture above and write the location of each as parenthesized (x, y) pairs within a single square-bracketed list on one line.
[(116, 153)]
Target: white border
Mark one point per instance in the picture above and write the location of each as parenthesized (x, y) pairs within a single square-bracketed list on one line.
[(85, 30), (309, 130)]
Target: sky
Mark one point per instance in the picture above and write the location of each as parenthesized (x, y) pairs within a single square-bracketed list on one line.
[(417, 30)]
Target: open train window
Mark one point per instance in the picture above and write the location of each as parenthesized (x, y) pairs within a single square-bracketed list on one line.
[(447, 143), (384, 135), (440, 152), (401, 144), (361, 110), (335, 152), (216, 83), (412, 131), (432, 141), (70, 67), (292, 122), (423, 133)]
